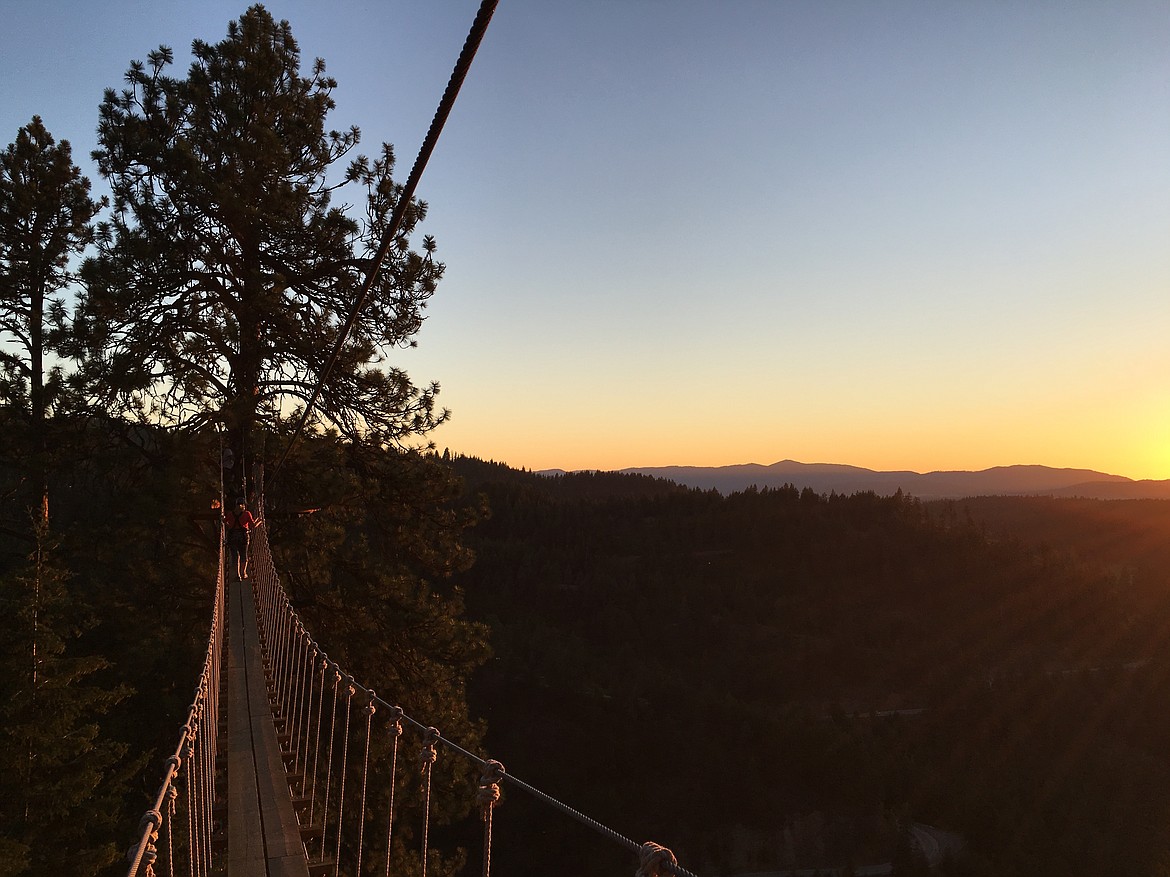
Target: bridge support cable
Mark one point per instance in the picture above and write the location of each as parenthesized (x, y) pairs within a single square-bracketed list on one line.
[(471, 45), (335, 829), (193, 765)]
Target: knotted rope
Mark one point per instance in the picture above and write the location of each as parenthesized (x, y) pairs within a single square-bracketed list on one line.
[(193, 764), (396, 733), (172, 806), (329, 764), (489, 788), (655, 861), (428, 756), (189, 751), (317, 738), (149, 823), (349, 693), (487, 797), (369, 710)]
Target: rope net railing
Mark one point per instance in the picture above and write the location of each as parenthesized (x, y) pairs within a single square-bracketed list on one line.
[(184, 820), (344, 751), (333, 729)]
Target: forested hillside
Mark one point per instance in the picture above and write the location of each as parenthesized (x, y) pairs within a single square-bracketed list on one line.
[(1127, 535), (725, 675)]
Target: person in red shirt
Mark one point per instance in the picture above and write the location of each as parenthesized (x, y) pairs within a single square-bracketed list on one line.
[(239, 523)]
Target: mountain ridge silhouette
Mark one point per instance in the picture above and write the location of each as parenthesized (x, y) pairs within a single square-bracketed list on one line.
[(1015, 480)]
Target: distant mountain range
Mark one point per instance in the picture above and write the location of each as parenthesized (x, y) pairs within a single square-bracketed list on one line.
[(998, 481)]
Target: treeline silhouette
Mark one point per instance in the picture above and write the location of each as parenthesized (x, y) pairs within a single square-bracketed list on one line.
[(778, 679)]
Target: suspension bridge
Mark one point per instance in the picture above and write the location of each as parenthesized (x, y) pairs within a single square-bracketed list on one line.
[(288, 766), (275, 770)]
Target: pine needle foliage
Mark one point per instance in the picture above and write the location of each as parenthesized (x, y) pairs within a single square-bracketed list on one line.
[(45, 222), (226, 271)]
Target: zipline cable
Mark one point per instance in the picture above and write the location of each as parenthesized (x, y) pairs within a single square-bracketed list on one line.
[(462, 65)]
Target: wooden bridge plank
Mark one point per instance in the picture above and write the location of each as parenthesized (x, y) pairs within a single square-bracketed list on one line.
[(263, 831), (245, 835)]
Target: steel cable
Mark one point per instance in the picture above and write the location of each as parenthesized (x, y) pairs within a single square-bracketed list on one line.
[(631, 845), (462, 65)]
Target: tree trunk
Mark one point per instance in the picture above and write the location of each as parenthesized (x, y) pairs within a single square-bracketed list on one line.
[(246, 381), (37, 404)]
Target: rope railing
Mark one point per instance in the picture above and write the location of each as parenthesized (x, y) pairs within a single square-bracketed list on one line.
[(318, 710), (314, 701), (185, 822)]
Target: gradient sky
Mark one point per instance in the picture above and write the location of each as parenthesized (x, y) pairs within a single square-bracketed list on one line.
[(900, 235)]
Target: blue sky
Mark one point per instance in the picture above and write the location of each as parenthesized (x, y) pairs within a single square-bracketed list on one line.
[(902, 235)]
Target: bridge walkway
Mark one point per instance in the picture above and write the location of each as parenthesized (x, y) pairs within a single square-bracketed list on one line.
[(263, 837)]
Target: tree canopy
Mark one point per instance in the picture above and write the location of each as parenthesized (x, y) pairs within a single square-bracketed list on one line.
[(225, 273), (45, 220)]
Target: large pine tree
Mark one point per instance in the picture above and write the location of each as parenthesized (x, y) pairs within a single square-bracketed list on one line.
[(45, 222), (225, 272)]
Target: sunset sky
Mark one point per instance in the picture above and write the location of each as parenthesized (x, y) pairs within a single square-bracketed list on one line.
[(899, 235)]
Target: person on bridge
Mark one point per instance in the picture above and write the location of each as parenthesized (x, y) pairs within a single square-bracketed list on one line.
[(239, 523)]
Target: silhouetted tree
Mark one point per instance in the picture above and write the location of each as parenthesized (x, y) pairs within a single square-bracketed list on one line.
[(57, 772), (45, 221), (225, 273)]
